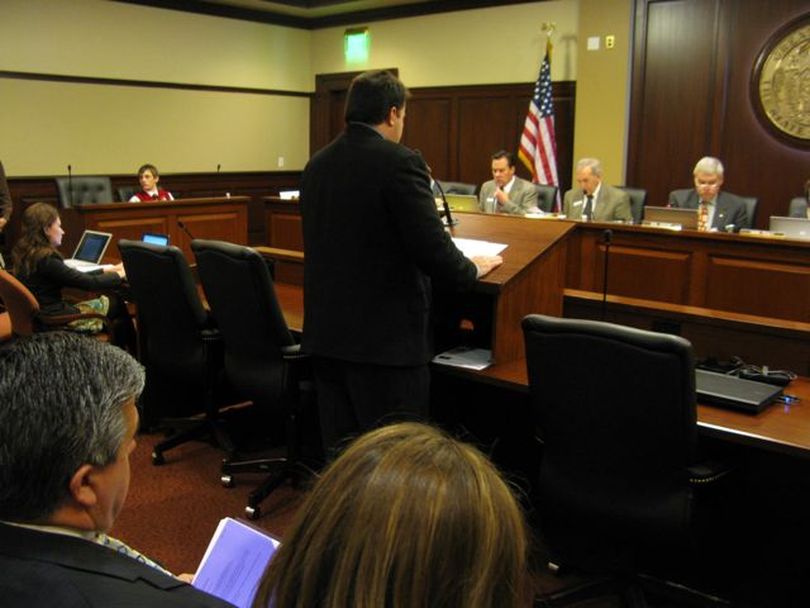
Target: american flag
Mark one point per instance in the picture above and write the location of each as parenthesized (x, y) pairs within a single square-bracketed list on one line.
[(538, 144)]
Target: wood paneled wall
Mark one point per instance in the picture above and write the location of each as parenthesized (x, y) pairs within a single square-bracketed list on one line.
[(691, 97), (28, 190), (458, 128)]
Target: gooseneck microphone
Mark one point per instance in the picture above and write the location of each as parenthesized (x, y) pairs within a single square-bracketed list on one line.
[(448, 216), (70, 184), (185, 229), (607, 239)]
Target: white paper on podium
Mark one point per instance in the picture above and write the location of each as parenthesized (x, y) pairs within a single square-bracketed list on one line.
[(466, 357), (472, 247)]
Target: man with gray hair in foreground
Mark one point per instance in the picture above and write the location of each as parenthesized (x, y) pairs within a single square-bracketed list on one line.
[(67, 428)]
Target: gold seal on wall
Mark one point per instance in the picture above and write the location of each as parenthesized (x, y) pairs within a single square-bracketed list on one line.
[(784, 83)]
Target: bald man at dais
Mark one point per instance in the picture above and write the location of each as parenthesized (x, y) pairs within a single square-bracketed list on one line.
[(594, 200)]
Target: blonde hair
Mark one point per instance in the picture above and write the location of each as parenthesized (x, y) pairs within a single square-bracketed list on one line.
[(406, 517)]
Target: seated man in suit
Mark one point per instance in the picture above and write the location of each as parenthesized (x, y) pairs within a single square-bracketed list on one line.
[(67, 429), (506, 192), (718, 210), (593, 200)]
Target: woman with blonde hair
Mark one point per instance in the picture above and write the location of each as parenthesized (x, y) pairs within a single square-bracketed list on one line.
[(406, 517)]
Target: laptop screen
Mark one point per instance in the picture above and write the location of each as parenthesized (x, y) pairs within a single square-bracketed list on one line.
[(791, 227), (92, 246), (155, 238), (687, 218)]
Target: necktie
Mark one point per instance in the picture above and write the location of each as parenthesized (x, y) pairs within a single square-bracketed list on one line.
[(587, 213), (703, 217), (124, 549)]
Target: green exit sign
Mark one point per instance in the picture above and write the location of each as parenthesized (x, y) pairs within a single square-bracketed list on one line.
[(356, 42)]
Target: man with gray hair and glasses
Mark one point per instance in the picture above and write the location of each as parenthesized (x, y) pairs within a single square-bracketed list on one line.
[(717, 210), (594, 200), (67, 429)]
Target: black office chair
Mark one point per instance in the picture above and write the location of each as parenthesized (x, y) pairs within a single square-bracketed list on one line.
[(751, 204), (125, 193), (615, 408), (262, 361), (546, 197), (457, 187), (179, 345), (798, 207), (638, 198), (83, 190)]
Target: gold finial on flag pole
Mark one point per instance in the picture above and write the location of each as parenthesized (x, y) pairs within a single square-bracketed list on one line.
[(548, 27)]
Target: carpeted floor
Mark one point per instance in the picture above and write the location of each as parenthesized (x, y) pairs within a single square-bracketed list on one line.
[(172, 510)]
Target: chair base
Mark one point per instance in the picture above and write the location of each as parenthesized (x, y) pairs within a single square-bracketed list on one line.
[(197, 430), (281, 470)]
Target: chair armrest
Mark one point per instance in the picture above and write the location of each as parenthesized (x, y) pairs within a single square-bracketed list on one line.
[(707, 472)]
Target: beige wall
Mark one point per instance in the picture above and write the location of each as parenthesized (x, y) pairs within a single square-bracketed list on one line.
[(603, 86), (113, 129), (104, 129), (483, 46)]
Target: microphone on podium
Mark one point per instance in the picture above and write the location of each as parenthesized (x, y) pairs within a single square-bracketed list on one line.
[(185, 229), (70, 184), (448, 216), (607, 239)]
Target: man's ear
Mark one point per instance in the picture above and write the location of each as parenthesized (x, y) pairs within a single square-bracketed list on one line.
[(81, 489), (393, 114)]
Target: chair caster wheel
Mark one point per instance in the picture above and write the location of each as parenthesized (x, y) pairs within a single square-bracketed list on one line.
[(158, 459), (227, 481), (252, 512)]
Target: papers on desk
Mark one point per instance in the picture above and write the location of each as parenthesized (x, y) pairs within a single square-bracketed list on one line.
[(466, 357), (234, 562), (472, 247)]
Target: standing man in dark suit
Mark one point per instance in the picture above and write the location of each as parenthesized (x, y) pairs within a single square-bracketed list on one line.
[(721, 211), (375, 248), (5, 210), (594, 200), (67, 428)]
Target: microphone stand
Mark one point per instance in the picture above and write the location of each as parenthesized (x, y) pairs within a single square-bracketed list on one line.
[(70, 185), (447, 215), (607, 239), (185, 229)]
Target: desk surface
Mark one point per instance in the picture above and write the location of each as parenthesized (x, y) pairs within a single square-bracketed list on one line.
[(779, 428)]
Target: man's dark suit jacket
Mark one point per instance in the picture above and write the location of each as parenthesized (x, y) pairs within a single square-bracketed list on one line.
[(730, 208), (43, 569), (373, 242)]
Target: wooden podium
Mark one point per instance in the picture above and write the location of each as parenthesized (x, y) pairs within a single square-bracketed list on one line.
[(531, 279), (219, 218)]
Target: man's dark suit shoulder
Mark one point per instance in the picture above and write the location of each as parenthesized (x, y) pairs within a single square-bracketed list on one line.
[(43, 569)]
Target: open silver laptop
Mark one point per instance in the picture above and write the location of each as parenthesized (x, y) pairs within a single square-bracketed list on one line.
[(791, 227), (686, 218), (90, 251), (462, 202)]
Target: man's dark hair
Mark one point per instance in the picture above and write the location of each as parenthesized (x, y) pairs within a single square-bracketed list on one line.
[(372, 95), (510, 158)]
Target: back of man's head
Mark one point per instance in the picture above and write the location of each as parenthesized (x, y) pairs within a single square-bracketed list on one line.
[(62, 399), (372, 95)]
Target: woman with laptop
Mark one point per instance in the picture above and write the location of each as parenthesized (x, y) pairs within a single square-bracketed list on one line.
[(41, 268)]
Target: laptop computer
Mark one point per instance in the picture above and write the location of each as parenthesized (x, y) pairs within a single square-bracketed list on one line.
[(155, 238), (731, 392), (90, 250), (462, 202), (791, 227), (686, 218)]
